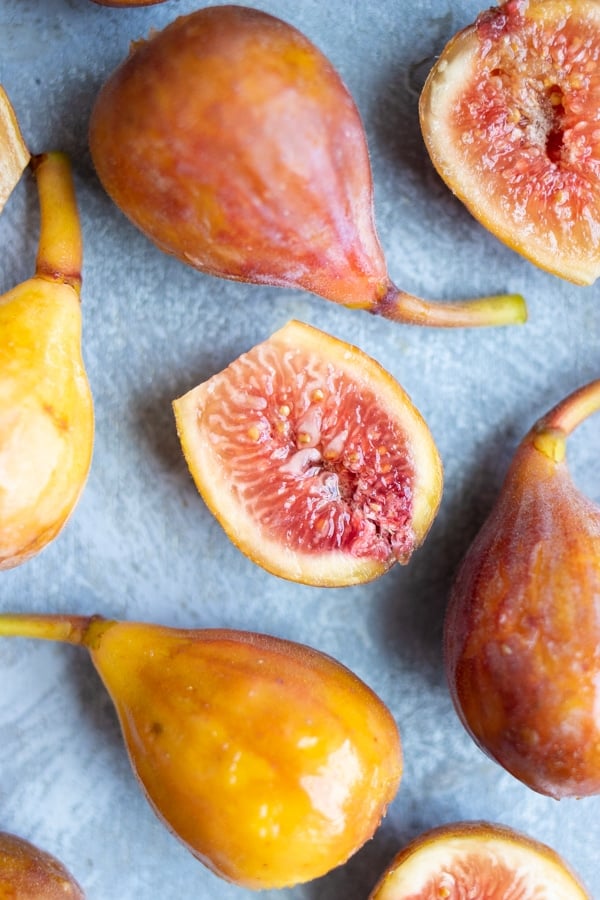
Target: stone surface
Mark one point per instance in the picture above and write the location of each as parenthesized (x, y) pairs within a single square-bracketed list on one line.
[(141, 544)]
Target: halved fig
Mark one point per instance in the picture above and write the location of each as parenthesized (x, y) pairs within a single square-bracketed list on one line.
[(480, 860), (510, 114), (313, 459), (14, 155)]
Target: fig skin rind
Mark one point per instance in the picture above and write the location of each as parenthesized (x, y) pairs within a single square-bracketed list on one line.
[(330, 568), (548, 221), (28, 873), (521, 634), (435, 852)]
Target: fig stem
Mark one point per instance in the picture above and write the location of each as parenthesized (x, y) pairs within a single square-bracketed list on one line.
[(60, 252), (68, 629), (499, 309), (551, 431)]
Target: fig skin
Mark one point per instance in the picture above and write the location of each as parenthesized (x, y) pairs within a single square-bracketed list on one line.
[(28, 873), (272, 762), (425, 867), (521, 630), (46, 407), (230, 140)]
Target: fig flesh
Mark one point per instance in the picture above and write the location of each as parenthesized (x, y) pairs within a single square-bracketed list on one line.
[(271, 761), (46, 409), (312, 458), (510, 114), (28, 873), (14, 154), (232, 143), (522, 630), (479, 860)]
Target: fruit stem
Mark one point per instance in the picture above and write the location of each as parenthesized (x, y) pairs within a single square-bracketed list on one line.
[(550, 432), (60, 254), (499, 309), (68, 629)]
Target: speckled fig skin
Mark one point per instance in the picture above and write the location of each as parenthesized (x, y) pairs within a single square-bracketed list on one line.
[(230, 140), (522, 630), (28, 873), (271, 761)]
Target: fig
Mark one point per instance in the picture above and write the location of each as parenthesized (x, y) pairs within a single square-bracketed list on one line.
[(28, 873), (521, 632), (46, 408), (481, 860), (271, 761), (313, 458), (230, 140), (14, 154), (510, 115)]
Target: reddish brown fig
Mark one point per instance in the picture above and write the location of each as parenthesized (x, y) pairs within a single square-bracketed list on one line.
[(481, 861), (510, 115), (522, 630), (231, 141), (27, 873)]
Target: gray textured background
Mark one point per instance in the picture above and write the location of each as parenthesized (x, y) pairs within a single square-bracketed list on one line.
[(141, 544)]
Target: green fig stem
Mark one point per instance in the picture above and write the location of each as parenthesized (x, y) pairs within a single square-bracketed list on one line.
[(550, 433), (499, 309), (81, 630), (60, 253)]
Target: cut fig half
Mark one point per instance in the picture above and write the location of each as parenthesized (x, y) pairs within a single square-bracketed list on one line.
[(479, 860), (313, 459), (14, 155), (510, 115)]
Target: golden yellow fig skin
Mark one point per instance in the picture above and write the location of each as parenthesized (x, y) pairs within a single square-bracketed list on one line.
[(522, 630), (271, 761), (46, 409), (28, 873)]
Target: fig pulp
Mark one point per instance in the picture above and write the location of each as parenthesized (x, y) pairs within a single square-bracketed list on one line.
[(479, 860), (312, 458), (272, 762), (14, 154), (522, 630), (27, 873), (46, 411), (232, 143), (510, 114)]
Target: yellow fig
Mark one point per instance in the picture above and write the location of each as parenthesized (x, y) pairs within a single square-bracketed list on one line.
[(46, 409), (271, 761)]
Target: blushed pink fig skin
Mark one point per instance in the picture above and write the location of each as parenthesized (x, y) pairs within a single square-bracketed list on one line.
[(522, 630), (220, 82), (230, 140)]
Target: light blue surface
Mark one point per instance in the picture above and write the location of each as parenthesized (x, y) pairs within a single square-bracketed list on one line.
[(141, 544)]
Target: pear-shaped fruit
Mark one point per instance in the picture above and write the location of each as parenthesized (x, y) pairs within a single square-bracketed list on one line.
[(510, 114), (477, 860), (230, 140), (272, 762), (313, 458), (522, 629), (46, 411), (14, 154), (28, 873)]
